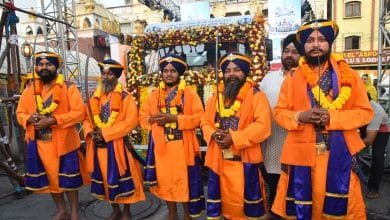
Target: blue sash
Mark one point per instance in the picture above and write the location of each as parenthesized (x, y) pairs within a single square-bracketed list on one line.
[(118, 186), (36, 178), (299, 193), (253, 200), (70, 176), (197, 202), (150, 178), (214, 205)]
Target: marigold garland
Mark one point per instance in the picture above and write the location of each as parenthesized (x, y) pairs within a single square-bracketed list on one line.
[(231, 111), (116, 100), (319, 95), (55, 96), (176, 101), (253, 34)]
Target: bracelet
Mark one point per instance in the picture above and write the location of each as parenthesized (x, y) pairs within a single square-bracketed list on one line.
[(296, 117)]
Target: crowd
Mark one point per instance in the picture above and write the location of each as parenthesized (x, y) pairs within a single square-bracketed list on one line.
[(286, 148)]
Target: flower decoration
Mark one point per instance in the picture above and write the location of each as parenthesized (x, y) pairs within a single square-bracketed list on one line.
[(55, 97), (319, 95), (253, 34), (116, 101)]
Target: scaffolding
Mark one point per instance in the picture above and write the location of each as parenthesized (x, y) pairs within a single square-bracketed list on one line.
[(62, 36), (383, 43)]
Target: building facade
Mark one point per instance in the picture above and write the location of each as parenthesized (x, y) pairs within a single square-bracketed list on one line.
[(358, 36)]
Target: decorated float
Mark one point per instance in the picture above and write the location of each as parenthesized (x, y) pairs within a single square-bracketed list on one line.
[(196, 41)]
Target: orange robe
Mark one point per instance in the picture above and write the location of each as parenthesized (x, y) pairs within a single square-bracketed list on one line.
[(300, 144), (123, 125), (65, 137), (254, 126), (173, 157)]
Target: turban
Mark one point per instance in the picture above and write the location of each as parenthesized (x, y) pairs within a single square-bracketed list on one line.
[(52, 57), (329, 29), (291, 38), (176, 61), (115, 67), (243, 62)]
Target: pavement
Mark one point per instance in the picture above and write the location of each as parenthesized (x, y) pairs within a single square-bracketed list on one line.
[(40, 206)]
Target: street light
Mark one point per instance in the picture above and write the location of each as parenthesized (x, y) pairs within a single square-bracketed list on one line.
[(27, 51)]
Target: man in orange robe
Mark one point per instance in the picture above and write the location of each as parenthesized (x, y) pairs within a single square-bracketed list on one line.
[(322, 104), (233, 127), (172, 113), (49, 111), (116, 175)]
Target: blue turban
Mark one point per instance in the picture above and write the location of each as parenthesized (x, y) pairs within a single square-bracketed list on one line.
[(176, 61), (112, 65), (52, 57), (243, 62), (291, 38), (329, 29)]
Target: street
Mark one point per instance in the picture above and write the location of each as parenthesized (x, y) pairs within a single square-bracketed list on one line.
[(35, 206)]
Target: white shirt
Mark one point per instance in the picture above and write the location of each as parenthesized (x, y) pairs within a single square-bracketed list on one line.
[(272, 146)]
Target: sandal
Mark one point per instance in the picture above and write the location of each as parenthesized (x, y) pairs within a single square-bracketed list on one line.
[(372, 195)]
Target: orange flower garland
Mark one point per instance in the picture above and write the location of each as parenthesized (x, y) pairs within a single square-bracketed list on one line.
[(319, 95), (116, 101), (55, 96)]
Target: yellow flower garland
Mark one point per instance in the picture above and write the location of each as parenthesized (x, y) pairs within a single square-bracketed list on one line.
[(114, 113), (172, 109), (53, 106), (231, 111), (227, 112), (319, 95)]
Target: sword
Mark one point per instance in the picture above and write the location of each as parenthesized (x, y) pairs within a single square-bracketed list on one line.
[(86, 92)]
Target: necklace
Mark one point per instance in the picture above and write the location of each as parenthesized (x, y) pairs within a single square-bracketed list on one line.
[(319, 95), (55, 96), (116, 100)]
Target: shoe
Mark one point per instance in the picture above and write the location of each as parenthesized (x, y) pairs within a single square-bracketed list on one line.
[(372, 194)]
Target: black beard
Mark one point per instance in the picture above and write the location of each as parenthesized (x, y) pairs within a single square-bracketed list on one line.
[(317, 60), (288, 66), (170, 85), (47, 76), (232, 88), (108, 86)]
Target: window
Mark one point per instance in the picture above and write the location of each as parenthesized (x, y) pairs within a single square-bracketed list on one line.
[(86, 23), (39, 30), (352, 9), (29, 30), (352, 43)]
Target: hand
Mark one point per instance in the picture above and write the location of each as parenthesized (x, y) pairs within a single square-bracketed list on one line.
[(44, 122), (323, 114), (162, 118), (97, 135), (34, 118), (309, 117), (223, 139)]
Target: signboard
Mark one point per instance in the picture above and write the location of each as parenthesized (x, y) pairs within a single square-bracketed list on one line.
[(364, 57), (242, 20), (194, 11), (284, 18)]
